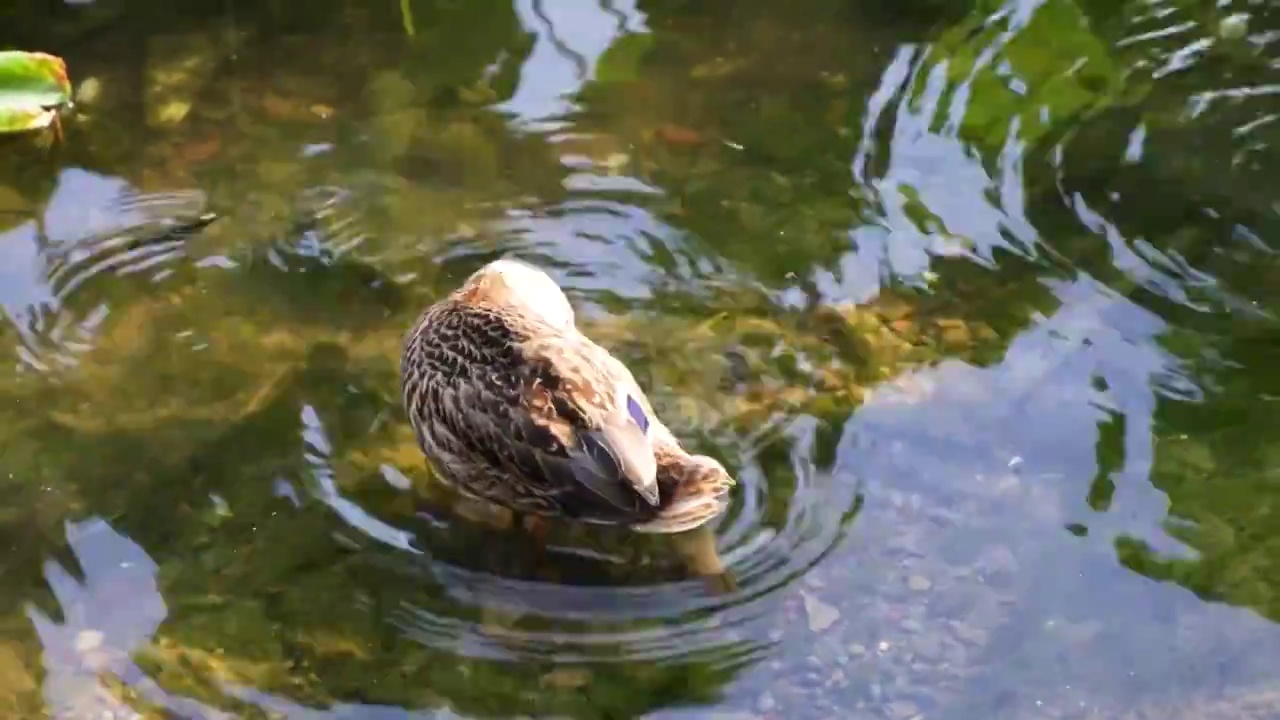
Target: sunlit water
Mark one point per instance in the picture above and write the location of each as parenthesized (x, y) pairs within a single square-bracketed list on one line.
[(977, 303)]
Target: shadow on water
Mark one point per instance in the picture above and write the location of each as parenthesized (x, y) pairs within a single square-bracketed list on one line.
[(976, 302)]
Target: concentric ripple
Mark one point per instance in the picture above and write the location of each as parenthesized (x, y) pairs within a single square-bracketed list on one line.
[(737, 204), (124, 233), (482, 595)]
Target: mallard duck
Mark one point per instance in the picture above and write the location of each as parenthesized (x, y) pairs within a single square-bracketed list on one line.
[(512, 404)]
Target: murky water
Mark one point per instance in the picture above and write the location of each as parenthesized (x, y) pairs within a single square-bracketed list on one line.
[(976, 300)]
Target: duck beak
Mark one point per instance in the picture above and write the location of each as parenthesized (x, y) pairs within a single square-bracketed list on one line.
[(649, 493), (633, 454)]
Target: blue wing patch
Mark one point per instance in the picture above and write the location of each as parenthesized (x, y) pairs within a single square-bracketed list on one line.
[(637, 413)]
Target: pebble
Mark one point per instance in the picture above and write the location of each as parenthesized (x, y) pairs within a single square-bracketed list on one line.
[(919, 583), (902, 710), (928, 647), (970, 634), (820, 615), (997, 559), (89, 640)]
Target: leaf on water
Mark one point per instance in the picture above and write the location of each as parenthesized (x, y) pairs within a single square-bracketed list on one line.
[(33, 88)]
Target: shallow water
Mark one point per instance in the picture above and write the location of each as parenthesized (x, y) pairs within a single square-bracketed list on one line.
[(976, 300)]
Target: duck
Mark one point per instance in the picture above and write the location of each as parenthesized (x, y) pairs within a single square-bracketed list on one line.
[(512, 404)]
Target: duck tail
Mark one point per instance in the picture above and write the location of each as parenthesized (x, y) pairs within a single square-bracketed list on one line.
[(694, 489)]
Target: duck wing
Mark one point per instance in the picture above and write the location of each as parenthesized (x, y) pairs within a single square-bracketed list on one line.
[(560, 421), (585, 398)]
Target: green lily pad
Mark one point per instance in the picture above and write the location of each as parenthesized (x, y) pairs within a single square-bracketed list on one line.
[(34, 88)]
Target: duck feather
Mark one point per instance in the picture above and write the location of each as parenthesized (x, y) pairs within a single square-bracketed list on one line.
[(515, 405)]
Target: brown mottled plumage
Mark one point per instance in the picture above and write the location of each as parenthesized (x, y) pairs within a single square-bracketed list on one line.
[(514, 405)]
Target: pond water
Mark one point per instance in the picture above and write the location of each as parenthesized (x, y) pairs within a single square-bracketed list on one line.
[(977, 300)]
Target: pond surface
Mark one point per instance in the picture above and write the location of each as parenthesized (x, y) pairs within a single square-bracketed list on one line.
[(977, 300)]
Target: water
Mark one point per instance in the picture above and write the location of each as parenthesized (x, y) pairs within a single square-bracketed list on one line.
[(976, 300)]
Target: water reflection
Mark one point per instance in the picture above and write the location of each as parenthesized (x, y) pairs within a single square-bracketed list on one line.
[(112, 616), (107, 617), (91, 225), (934, 197), (1092, 368), (609, 240), (1006, 282), (570, 40)]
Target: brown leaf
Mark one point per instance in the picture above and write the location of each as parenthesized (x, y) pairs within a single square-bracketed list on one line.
[(679, 135), (198, 151)]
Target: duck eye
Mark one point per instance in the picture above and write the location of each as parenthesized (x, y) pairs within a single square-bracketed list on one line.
[(637, 413)]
